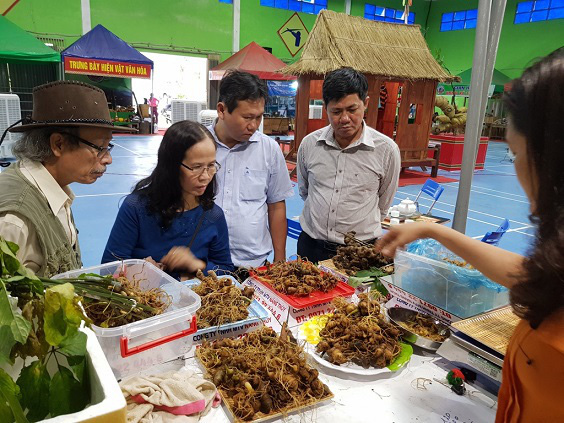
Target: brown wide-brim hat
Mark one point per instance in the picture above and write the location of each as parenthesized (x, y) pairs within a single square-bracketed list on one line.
[(69, 103)]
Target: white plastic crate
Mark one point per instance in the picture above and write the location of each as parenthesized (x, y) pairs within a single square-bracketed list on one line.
[(139, 345)]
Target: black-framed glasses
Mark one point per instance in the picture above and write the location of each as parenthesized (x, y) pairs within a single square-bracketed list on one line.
[(101, 150), (198, 170)]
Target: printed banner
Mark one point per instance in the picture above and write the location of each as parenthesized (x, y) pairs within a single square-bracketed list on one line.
[(106, 68)]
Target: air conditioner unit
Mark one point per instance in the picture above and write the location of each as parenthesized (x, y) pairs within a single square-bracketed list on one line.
[(10, 113), (207, 117), (315, 112), (186, 110)]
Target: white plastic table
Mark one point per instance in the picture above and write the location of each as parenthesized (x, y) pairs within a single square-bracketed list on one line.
[(390, 399)]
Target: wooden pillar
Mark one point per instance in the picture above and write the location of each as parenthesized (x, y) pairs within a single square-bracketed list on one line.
[(302, 110), (374, 94)]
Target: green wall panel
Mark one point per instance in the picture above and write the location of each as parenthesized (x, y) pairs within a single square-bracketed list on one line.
[(519, 44), (207, 25)]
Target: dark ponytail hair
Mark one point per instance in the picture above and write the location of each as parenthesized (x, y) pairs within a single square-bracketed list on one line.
[(162, 188), (535, 103)]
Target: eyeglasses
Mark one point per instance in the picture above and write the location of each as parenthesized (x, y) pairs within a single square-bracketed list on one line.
[(101, 150), (198, 170)]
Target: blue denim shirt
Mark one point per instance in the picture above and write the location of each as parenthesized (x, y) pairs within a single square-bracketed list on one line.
[(253, 174)]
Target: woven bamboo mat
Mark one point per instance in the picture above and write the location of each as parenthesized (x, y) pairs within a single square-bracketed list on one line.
[(493, 329)]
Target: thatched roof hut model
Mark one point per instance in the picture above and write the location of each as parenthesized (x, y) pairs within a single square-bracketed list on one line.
[(384, 52)]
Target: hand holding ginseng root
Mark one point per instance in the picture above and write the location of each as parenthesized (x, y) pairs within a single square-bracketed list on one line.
[(182, 259), (400, 235)]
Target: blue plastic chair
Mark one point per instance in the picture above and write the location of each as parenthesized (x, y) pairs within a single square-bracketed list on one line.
[(433, 189), (494, 237), (294, 229)]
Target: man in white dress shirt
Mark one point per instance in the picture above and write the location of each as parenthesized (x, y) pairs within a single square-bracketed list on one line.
[(253, 181), (66, 140), (347, 172)]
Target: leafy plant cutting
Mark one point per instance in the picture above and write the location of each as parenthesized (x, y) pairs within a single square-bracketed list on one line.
[(39, 332)]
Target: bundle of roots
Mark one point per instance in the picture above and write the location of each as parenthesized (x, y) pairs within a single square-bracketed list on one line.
[(222, 301), (298, 278), (262, 374), (120, 300), (356, 256), (359, 334)]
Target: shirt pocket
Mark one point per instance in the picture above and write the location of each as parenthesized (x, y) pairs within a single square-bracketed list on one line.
[(362, 185), (253, 185)]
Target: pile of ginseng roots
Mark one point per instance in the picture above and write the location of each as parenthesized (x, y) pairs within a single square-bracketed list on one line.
[(262, 373)]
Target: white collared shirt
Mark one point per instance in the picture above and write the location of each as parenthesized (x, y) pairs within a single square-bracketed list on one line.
[(346, 189), (18, 229), (253, 174)]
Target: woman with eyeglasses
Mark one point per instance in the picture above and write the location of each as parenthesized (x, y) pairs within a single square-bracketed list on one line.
[(532, 388), (170, 217)]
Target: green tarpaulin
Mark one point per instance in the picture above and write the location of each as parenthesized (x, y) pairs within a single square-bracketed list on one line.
[(498, 78), (18, 46)]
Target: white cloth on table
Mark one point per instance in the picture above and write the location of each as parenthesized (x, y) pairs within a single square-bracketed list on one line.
[(185, 396)]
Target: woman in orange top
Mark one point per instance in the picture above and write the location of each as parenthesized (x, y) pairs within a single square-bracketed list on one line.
[(532, 389)]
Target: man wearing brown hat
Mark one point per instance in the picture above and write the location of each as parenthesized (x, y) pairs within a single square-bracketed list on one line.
[(66, 140)]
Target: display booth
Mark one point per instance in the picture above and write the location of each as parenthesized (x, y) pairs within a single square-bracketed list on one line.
[(25, 62), (99, 53), (258, 61), (392, 55)]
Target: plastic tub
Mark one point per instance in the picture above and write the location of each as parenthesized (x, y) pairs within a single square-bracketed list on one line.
[(460, 291), (257, 314), (139, 345)]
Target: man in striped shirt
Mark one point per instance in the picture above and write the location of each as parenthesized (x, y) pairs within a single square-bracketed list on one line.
[(347, 172)]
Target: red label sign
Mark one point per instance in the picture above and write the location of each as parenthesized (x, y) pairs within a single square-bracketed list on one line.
[(106, 68)]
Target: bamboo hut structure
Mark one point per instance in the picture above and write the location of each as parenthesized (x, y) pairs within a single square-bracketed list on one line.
[(392, 54)]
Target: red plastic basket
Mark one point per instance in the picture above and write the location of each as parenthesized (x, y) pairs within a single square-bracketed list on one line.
[(315, 297)]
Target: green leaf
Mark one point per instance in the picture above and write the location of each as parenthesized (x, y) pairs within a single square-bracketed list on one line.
[(74, 345), (36, 345), (62, 314), (34, 384), (13, 247), (373, 272), (356, 281), (5, 413), (75, 350), (7, 341), (11, 316), (11, 262), (9, 392), (403, 357), (66, 394), (78, 365)]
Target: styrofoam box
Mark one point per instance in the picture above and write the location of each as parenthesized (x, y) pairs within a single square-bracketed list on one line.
[(257, 315), (107, 404), (280, 311), (463, 293), (139, 345)]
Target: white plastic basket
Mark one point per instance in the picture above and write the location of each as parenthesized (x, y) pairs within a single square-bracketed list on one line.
[(139, 345)]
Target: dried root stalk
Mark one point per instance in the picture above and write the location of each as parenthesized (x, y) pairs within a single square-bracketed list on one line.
[(298, 278), (222, 302), (354, 256), (424, 326), (359, 334), (262, 373), (121, 302)]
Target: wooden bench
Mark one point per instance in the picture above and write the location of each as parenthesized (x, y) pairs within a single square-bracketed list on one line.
[(422, 160)]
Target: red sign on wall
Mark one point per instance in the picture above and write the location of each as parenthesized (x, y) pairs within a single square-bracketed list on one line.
[(106, 68)]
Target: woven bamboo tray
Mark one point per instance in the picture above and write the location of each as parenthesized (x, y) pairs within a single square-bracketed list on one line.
[(493, 329)]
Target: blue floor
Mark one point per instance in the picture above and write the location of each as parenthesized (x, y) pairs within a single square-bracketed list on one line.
[(496, 194)]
